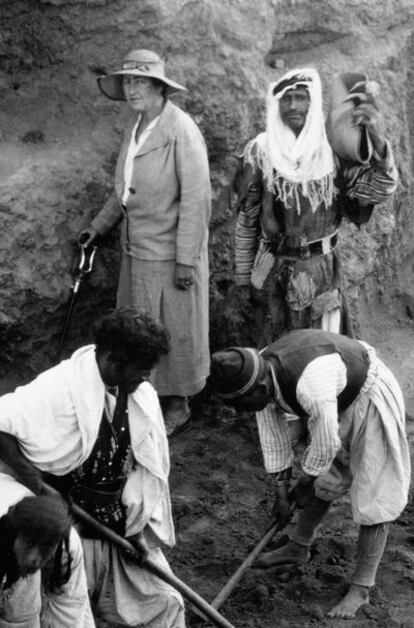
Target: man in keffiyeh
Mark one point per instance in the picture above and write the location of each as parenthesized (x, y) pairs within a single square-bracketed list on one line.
[(294, 190)]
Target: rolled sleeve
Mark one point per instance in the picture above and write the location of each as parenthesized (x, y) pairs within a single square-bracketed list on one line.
[(317, 392), (325, 442)]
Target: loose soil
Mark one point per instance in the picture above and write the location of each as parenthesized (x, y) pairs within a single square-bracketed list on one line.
[(221, 503)]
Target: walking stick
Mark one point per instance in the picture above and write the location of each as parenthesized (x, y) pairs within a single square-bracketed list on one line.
[(85, 264), (147, 563)]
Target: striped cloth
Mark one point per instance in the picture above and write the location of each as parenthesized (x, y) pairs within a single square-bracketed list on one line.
[(374, 182), (364, 450), (317, 390), (247, 233), (370, 184)]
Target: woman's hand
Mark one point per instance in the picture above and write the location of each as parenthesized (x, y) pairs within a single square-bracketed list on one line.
[(87, 236), (184, 276)]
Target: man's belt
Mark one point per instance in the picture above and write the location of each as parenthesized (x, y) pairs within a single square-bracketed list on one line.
[(323, 246), (103, 504)]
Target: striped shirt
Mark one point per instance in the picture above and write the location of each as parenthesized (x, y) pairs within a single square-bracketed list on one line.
[(323, 379)]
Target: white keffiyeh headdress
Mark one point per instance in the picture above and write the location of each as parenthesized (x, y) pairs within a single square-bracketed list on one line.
[(295, 166)]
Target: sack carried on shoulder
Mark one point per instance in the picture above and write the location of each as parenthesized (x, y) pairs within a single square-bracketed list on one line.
[(348, 139)]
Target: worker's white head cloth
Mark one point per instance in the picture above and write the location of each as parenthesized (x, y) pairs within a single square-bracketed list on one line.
[(294, 166)]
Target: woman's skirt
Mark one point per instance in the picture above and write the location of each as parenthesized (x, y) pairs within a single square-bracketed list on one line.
[(184, 313)]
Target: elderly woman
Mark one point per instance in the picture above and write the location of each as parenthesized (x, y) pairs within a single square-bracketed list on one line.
[(162, 196)]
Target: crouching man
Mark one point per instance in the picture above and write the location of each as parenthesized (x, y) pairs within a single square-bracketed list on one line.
[(42, 578), (94, 426), (334, 394)]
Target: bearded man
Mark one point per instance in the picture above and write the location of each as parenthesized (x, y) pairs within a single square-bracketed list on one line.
[(93, 425), (333, 395), (293, 192)]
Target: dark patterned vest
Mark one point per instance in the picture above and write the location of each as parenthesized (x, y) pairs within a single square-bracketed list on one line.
[(291, 353), (97, 484)]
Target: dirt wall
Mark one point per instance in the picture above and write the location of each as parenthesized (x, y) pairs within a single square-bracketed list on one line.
[(60, 138)]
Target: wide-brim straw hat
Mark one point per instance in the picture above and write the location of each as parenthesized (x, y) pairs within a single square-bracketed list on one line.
[(137, 63)]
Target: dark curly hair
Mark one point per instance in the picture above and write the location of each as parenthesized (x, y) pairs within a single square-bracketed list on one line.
[(132, 336), (42, 519)]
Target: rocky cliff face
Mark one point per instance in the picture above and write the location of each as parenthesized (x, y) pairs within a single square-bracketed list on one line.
[(60, 139)]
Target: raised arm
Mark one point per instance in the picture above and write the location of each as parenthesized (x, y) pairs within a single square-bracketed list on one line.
[(367, 185)]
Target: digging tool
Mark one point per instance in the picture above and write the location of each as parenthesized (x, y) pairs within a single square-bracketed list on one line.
[(246, 564), (146, 562), (275, 527), (85, 265)]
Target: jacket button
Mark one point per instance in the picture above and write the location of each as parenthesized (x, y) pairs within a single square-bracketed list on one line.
[(132, 190)]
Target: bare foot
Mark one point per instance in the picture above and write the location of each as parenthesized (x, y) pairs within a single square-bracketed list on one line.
[(290, 555), (353, 600)]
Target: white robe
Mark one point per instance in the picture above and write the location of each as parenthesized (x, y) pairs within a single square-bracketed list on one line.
[(56, 419)]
